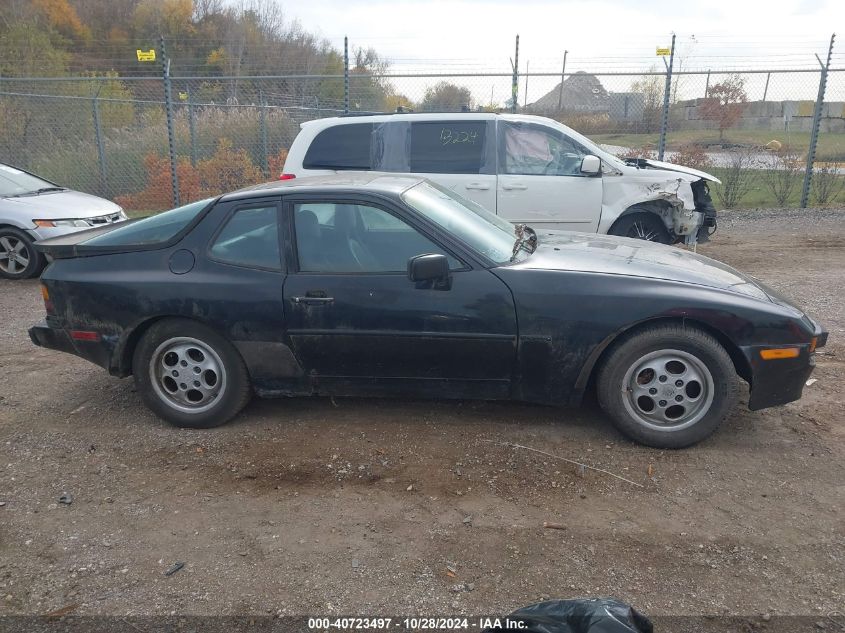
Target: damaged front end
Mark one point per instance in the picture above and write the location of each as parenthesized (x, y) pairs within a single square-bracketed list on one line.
[(682, 200)]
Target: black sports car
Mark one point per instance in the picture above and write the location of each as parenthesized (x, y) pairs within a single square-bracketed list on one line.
[(391, 285)]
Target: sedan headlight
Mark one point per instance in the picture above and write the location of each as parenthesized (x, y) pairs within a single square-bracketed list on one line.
[(49, 224)]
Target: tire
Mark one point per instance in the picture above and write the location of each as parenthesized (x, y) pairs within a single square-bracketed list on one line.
[(189, 375), (668, 386), (641, 226), (18, 257)]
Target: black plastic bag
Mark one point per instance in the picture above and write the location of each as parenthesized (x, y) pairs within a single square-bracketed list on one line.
[(576, 616)]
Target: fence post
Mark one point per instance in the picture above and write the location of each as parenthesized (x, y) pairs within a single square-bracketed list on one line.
[(515, 82), (168, 107), (101, 151), (814, 133), (562, 77), (345, 75), (664, 123), (707, 84), (192, 130), (262, 121), (766, 88)]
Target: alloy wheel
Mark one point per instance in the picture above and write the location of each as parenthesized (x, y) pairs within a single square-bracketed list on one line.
[(668, 390), (14, 255), (187, 374)]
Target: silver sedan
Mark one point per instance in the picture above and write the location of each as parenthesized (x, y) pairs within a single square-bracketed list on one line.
[(33, 209)]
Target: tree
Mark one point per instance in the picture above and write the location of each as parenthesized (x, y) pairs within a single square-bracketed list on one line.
[(651, 87), (725, 103), (445, 96)]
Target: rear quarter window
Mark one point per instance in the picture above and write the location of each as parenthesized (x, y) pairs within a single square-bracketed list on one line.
[(152, 230), (341, 147), (448, 147)]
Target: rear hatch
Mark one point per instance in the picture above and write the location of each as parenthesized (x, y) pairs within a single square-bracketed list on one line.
[(73, 244)]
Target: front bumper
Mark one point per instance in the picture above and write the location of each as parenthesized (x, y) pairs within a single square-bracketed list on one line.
[(776, 382)]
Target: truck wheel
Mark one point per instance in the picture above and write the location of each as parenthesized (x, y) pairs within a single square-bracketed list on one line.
[(641, 226), (189, 375), (18, 257), (668, 386)]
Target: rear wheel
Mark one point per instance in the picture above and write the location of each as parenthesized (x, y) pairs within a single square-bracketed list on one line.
[(642, 226), (190, 375), (18, 257), (668, 386)]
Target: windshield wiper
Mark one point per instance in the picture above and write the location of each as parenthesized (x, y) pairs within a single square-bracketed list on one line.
[(36, 192), (525, 235)]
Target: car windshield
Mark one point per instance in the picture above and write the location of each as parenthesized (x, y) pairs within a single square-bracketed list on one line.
[(471, 223), (14, 182), (152, 230)]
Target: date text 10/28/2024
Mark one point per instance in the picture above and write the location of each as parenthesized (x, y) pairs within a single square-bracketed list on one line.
[(414, 623)]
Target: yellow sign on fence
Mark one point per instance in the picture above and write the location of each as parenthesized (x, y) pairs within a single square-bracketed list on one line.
[(183, 96), (146, 56), (663, 52)]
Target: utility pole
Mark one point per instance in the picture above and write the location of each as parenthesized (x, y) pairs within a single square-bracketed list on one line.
[(562, 78), (525, 98)]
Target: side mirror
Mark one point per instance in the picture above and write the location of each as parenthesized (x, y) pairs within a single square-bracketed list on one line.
[(591, 165), (431, 267)]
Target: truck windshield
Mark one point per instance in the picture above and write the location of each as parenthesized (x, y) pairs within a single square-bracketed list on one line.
[(487, 233)]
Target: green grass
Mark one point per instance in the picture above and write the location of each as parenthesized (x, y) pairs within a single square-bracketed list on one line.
[(831, 146), (759, 195)]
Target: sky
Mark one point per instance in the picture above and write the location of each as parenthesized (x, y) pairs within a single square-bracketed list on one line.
[(599, 35)]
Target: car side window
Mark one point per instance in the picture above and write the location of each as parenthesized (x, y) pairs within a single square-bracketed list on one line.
[(345, 146), (356, 238), (533, 150), (250, 238), (448, 147)]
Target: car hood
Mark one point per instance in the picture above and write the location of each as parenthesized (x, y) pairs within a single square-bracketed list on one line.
[(659, 164), (58, 205), (585, 252)]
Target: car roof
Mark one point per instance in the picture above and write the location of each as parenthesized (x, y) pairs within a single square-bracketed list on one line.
[(383, 117), (366, 181)]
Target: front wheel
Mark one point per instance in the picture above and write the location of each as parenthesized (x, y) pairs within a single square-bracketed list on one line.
[(190, 375), (18, 257), (668, 386), (642, 226)]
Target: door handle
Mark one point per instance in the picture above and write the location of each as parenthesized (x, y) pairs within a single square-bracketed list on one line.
[(515, 187), (313, 299), (479, 186)]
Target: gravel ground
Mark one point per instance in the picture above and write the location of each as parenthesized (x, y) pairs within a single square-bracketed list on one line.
[(308, 506)]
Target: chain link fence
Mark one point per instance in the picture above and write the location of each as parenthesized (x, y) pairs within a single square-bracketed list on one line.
[(110, 135)]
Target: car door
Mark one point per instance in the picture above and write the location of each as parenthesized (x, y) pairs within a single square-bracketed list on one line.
[(540, 181), (459, 154), (357, 323)]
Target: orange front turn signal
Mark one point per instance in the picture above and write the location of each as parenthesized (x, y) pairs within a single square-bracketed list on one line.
[(813, 342), (783, 352), (45, 294)]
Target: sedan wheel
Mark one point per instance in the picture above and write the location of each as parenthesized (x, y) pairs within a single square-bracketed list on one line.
[(190, 375), (18, 257), (669, 386)]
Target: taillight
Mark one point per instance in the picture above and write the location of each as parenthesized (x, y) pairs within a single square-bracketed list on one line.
[(287, 176), (45, 294)]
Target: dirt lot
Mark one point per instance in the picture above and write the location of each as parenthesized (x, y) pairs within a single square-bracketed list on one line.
[(311, 507)]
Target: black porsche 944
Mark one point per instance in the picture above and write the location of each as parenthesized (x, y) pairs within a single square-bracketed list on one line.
[(368, 284)]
